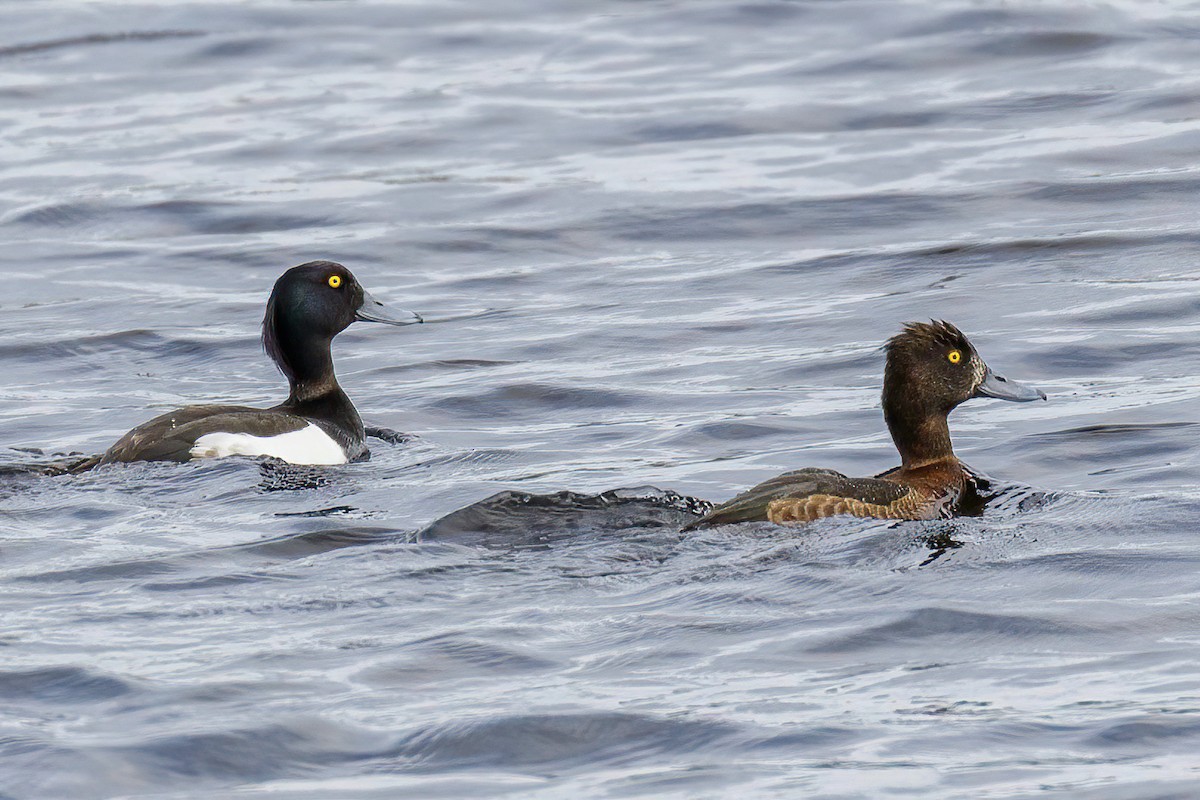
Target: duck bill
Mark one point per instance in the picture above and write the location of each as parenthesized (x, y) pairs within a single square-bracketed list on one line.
[(1002, 388), (372, 310)]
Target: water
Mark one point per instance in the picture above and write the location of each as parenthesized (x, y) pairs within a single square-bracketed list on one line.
[(658, 245)]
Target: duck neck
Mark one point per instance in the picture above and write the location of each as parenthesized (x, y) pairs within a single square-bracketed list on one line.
[(306, 360), (315, 392), (922, 436)]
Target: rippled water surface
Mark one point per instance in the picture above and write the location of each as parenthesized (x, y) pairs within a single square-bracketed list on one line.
[(658, 244)]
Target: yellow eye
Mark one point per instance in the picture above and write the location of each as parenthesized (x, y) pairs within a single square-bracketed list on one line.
[(955, 356), (335, 281)]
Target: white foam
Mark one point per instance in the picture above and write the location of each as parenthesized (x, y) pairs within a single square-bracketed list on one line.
[(309, 445)]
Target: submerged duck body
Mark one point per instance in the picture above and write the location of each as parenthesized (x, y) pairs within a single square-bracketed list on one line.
[(317, 424), (931, 369)]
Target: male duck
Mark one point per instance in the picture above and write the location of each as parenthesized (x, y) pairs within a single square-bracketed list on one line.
[(931, 369), (317, 424)]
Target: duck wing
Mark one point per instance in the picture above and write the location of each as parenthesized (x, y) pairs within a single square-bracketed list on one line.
[(170, 437), (808, 494)]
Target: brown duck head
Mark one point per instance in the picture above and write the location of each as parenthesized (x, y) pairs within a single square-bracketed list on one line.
[(932, 368)]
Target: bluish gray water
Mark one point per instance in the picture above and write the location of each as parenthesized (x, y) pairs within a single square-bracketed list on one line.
[(658, 244)]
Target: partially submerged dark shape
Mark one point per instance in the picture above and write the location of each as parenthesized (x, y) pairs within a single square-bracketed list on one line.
[(521, 517)]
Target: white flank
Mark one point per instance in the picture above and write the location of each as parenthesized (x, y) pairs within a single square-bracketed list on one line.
[(309, 445)]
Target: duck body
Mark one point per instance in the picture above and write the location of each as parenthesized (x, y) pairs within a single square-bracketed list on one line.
[(218, 431), (317, 424), (931, 369), (805, 495)]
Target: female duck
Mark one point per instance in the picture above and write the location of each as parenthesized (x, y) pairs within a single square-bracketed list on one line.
[(931, 369), (317, 424)]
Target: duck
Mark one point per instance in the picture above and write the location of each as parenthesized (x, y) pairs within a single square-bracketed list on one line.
[(317, 424), (931, 368)]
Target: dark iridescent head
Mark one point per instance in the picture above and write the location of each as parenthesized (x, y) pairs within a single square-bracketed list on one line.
[(931, 368), (311, 304)]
